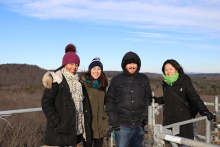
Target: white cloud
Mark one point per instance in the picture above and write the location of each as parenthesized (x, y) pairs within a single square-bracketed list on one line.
[(206, 47), (145, 34), (176, 14)]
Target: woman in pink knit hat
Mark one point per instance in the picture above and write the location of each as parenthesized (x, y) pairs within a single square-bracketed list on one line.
[(65, 104)]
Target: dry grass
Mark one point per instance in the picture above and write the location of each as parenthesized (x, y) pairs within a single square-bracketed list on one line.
[(27, 128)]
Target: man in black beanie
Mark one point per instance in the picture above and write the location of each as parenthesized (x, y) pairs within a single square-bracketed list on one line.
[(128, 98)]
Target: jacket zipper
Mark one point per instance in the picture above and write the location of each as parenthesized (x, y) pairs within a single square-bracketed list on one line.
[(98, 114)]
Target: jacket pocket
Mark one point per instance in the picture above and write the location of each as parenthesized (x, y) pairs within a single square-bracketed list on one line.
[(105, 119), (141, 88), (121, 85), (142, 85), (64, 127), (67, 124), (121, 88)]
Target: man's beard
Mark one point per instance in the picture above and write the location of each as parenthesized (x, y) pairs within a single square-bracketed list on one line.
[(133, 73)]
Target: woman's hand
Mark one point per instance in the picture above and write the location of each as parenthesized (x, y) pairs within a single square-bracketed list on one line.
[(208, 114)]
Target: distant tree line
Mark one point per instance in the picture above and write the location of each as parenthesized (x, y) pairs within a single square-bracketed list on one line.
[(201, 84), (29, 78), (206, 86)]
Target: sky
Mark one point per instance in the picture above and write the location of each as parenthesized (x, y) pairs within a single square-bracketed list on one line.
[(36, 32)]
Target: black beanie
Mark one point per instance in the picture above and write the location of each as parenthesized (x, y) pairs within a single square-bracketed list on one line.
[(95, 62), (132, 60)]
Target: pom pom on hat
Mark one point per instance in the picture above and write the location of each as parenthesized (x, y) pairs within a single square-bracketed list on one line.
[(70, 56), (95, 62), (96, 59), (70, 48)]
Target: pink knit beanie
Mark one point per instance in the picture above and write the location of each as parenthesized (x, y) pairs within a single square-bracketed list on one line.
[(70, 56)]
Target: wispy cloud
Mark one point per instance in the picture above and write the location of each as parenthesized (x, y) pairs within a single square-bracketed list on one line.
[(98, 28), (167, 36), (175, 14), (135, 39), (145, 34), (206, 47), (152, 40)]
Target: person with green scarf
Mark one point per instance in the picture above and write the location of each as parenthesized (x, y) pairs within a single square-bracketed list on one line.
[(176, 81)]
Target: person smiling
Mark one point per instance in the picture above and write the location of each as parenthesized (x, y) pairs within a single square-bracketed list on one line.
[(128, 98), (95, 82), (177, 84), (65, 104)]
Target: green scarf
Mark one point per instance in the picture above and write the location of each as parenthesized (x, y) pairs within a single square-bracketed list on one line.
[(170, 79)]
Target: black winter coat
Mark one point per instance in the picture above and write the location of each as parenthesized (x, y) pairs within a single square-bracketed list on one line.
[(60, 111), (128, 97), (174, 110)]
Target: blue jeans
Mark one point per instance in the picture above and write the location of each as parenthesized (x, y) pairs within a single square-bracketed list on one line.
[(128, 137)]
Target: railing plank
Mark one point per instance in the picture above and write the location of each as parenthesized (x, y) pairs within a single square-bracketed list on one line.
[(9, 112)]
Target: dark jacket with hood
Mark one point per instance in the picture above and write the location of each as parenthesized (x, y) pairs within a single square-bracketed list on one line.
[(174, 110), (60, 111), (128, 96)]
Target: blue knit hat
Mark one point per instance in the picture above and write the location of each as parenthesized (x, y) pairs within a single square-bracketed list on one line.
[(95, 62)]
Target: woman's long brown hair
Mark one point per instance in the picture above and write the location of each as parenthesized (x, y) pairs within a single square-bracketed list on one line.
[(102, 79), (176, 65)]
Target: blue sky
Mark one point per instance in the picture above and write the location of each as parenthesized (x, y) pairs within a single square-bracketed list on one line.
[(37, 31)]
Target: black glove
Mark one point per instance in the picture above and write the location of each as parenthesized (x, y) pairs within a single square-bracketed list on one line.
[(115, 126), (144, 123), (153, 97), (144, 120), (208, 114)]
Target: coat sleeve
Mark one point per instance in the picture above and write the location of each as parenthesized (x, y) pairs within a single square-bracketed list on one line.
[(48, 107), (110, 104), (147, 99), (194, 97)]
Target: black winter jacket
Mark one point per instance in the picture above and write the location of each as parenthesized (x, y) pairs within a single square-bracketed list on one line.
[(60, 111), (174, 110), (128, 97)]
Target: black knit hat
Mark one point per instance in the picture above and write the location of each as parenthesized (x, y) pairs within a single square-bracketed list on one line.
[(132, 60), (130, 57), (95, 62)]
